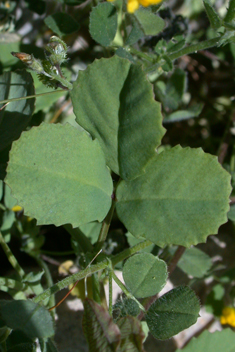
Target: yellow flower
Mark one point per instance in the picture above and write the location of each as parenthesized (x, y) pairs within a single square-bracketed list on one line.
[(228, 316), (16, 208), (133, 5)]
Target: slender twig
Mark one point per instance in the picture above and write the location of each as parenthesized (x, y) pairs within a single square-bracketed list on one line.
[(11, 258), (105, 226), (32, 96), (176, 257), (186, 51), (59, 112)]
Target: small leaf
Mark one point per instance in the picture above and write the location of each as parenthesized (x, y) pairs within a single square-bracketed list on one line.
[(213, 16), (103, 23), (62, 24), (47, 345), (151, 23), (182, 198), (132, 335), (230, 12), (100, 331), (218, 341), (144, 274), (124, 116), (126, 307), (173, 312), (180, 115), (58, 175), (14, 118), (231, 213), (136, 32), (30, 318), (194, 262)]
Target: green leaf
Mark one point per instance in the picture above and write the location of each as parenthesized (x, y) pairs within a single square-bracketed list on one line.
[(172, 95), (9, 201), (151, 23), (132, 335), (231, 12), (180, 115), (122, 52), (144, 274), (127, 306), (4, 333), (136, 32), (73, 2), (47, 345), (133, 241), (213, 16), (15, 117), (62, 24), (231, 213), (173, 312), (124, 116), (58, 175), (99, 329), (103, 23), (30, 318), (194, 262), (218, 341), (9, 42), (214, 301), (181, 199)]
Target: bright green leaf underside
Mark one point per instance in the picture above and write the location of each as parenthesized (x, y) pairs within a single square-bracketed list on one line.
[(216, 342), (114, 102), (181, 199), (144, 274), (58, 174), (173, 312)]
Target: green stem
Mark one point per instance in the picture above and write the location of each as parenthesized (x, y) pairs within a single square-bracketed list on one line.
[(11, 258), (105, 227), (49, 281), (10, 283), (71, 279), (141, 55), (62, 80), (130, 251), (186, 51), (110, 293), (127, 293), (32, 96), (91, 270)]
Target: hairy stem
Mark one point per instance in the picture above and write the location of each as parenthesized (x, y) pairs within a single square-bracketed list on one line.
[(91, 270), (186, 51), (11, 258), (32, 96), (105, 227)]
